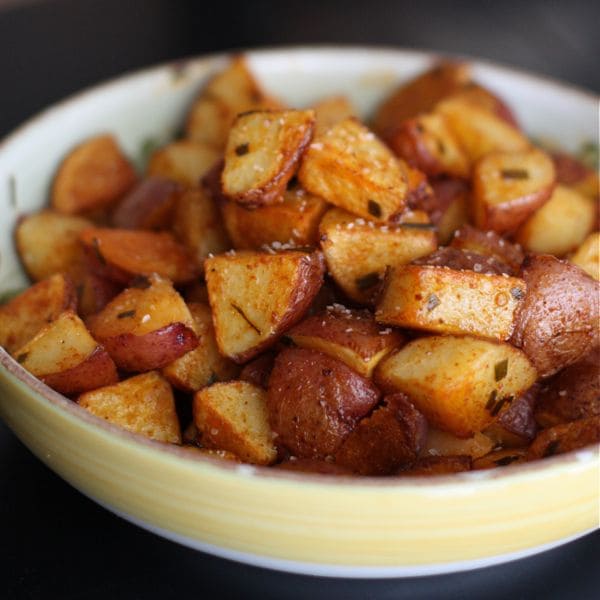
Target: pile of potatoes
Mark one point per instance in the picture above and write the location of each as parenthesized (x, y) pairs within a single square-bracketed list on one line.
[(296, 288)]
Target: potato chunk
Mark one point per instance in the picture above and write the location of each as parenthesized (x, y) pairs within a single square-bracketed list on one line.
[(450, 209), (255, 297), (233, 417), (459, 383), (262, 154), (143, 404), (93, 176), (588, 255), (565, 438), (437, 465), (349, 167), (447, 301)]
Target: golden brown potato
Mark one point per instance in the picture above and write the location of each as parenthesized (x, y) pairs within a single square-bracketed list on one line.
[(255, 297), (92, 176), (330, 111), (500, 458), (587, 255), (143, 404), (449, 209), (459, 383), (565, 437), (349, 167), (438, 465), (442, 443), (460, 260), (573, 173), (509, 186), (315, 401), (64, 356), (475, 93), (263, 152), (23, 316), (145, 328), (258, 370), (233, 417), (443, 300), (557, 323), (351, 336)]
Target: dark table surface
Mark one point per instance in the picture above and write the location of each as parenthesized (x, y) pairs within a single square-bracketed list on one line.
[(55, 543)]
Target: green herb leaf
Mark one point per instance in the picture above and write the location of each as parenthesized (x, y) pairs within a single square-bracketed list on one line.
[(125, 314), (501, 369), (374, 208), (491, 400), (212, 379), (514, 174), (8, 295), (148, 146), (498, 406), (589, 154), (242, 149)]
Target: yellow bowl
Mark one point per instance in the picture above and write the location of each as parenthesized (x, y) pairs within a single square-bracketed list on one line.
[(304, 523)]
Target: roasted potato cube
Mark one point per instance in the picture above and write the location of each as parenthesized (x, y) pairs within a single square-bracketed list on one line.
[(93, 176), (23, 316), (500, 458), (203, 365), (351, 336), (450, 210), (509, 186), (459, 383), (565, 437), (437, 465), (143, 404), (560, 225), (66, 357), (442, 443), (315, 401), (121, 254), (358, 252), (48, 243), (233, 417), (351, 168), (262, 154), (146, 327), (587, 255), (557, 324), (458, 260), (474, 93), (447, 301), (255, 297), (330, 111)]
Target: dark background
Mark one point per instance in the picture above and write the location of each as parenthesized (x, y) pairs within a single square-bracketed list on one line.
[(54, 543)]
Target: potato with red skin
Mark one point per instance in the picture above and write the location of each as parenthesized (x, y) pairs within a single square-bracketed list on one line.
[(565, 437), (313, 465), (315, 401), (557, 322), (461, 260), (437, 465), (95, 292)]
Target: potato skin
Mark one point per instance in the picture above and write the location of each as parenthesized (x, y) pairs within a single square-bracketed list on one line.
[(437, 465), (315, 401), (565, 437), (557, 323), (461, 260)]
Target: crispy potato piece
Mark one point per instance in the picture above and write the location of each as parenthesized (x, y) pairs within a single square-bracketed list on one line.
[(449, 211), (561, 225), (442, 443), (447, 301), (255, 297), (262, 154), (500, 458), (358, 252), (587, 255), (557, 324), (66, 357), (351, 168), (143, 404), (509, 186), (351, 336), (203, 365), (48, 243), (145, 328), (258, 370), (313, 465), (230, 92), (315, 401), (27, 313), (94, 293), (330, 111), (459, 383), (233, 417), (438, 465), (183, 161), (294, 221), (573, 173), (121, 254), (565, 437), (477, 94), (93, 176), (464, 260)]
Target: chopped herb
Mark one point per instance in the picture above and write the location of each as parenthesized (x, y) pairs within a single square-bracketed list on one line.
[(514, 174), (8, 295), (432, 302), (505, 460), (243, 315), (551, 448), (212, 379), (374, 208), (589, 154), (96, 247), (492, 400), (517, 293), (148, 146), (441, 147), (242, 149), (12, 191), (140, 282), (125, 314), (428, 226), (498, 406), (367, 281), (21, 358), (501, 369)]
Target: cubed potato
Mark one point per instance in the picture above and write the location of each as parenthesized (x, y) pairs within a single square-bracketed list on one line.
[(560, 225), (450, 211), (565, 438), (443, 300), (255, 297), (48, 243), (442, 443), (330, 111), (573, 173), (121, 254), (474, 93), (351, 336), (143, 404), (358, 252), (459, 383), (557, 324), (263, 152), (500, 458), (437, 465), (183, 161), (145, 328), (66, 357), (315, 401), (587, 255), (349, 167), (23, 316), (203, 365), (233, 417), (92, 176), (294, 221), (459, 260), (510, 186)]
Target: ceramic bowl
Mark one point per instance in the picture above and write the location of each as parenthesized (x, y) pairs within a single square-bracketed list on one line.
[(303, 523)]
